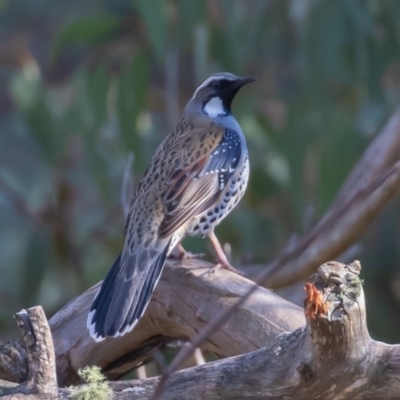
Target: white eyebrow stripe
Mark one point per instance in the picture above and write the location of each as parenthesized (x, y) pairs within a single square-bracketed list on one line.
[(204, 84), (209, 80)]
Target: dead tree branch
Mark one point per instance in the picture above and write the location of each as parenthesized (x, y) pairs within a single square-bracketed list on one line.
[(365, 193), (185, 300), (331, 357), (339, 228), (380, 154)]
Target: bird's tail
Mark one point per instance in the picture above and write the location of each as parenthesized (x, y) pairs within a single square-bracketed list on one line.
[(124, 294)]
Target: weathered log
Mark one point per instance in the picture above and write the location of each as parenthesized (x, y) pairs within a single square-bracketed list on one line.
[(185, 299), (331, 357)]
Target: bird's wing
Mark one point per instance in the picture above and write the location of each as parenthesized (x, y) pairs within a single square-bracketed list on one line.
[(200, 178)]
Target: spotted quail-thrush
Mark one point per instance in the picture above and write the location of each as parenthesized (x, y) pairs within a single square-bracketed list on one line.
[(198, 174)]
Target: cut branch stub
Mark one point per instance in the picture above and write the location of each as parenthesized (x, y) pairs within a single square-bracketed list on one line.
[(340, 336), (36, 334), (343, 328)]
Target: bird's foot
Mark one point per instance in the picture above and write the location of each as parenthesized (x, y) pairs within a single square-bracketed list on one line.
[(222, 259), (229, 267)]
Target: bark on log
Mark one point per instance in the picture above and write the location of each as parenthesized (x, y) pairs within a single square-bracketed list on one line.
[(41, 379), (13, 362), (185, 299), (331, 357)]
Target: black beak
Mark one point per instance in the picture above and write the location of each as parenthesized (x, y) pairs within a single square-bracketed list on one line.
[(243, 80)]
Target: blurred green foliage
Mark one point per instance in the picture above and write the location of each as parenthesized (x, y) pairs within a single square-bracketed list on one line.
[(85, 84)]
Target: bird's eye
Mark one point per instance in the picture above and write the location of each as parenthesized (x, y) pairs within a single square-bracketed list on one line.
[(216, 85)]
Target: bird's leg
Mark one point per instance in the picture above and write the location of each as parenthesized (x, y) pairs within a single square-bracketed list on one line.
[(181, 254), (223, 261)]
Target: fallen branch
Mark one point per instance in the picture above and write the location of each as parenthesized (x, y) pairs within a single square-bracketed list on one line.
[(380, 154), (331, 357), (339, 228), (369, 187), (185, 300)]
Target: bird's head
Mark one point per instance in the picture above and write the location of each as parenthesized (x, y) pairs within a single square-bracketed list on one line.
[(215, 94)]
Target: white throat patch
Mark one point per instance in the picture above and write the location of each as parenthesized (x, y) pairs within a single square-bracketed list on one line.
[(214, 107)]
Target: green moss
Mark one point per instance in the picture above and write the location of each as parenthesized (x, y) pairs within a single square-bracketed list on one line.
[(96, 389)]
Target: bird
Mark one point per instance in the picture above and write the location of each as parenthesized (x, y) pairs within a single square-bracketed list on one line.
[(196, 177)]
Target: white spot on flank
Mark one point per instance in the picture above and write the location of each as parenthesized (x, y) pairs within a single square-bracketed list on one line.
[(214, 107)]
